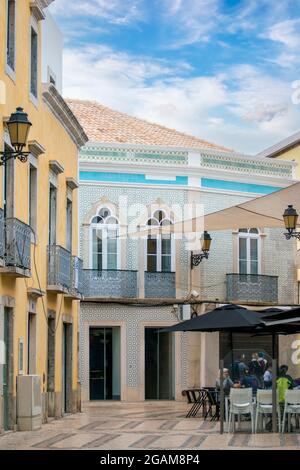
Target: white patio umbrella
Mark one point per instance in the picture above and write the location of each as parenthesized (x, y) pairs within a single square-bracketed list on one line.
[(264, 211)]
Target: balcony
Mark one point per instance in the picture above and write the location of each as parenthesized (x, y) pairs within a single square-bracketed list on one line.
[(252, 288), (2, 238), (160, 285), (75, 291), (59, 269), (16, 244), (109, 284)]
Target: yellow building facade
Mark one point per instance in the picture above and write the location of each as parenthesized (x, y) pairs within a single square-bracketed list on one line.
[(39, 268)]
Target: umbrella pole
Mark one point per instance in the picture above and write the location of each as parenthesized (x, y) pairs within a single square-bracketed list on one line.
[(222, 403), (231, 350), (274, 381)]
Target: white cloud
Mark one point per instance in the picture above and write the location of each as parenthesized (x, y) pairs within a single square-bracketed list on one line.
[(193, 20), (242, 109), (285, 60), (112, 11), (258, 97), (285, 32)]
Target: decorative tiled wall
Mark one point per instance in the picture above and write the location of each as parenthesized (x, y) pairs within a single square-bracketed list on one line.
[(132, 316)]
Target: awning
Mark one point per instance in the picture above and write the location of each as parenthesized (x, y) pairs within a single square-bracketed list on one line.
[(265, 211)]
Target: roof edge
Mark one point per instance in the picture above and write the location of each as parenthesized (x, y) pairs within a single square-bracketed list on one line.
[(285, 144), (64, 114)]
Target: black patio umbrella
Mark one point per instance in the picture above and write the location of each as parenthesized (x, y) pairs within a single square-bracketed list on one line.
[(293, 314), (234, 318), (227, 318)]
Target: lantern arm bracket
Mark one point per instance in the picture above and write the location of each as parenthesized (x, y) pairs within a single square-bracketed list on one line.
[(197, 258), (292, 234), (9, 154)]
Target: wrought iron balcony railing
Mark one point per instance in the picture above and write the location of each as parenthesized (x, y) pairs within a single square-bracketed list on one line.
[(76, 277), (252, 288), (160, 285), (109, 284), (59, 268), (2, 238), (17, 244)]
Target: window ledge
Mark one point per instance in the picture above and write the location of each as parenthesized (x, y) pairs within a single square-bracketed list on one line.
[(56, 167), (10, 72), (34, 100), (72, 183), (36, 148)]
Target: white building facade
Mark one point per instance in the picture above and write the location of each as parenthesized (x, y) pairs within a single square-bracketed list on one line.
[(134, 287)]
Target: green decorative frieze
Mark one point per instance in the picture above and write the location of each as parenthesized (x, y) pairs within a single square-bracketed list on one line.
[(134, 156), (247, 166)]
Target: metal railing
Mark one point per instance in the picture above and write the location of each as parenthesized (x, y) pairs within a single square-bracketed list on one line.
[(252, 287), (76, 276), (2, 238), (17, 243), (110, 283), (160, 285), (59, 267)]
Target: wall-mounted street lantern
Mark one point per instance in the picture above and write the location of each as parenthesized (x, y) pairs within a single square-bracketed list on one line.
[(197, 258), (290, 218), (18, 128)]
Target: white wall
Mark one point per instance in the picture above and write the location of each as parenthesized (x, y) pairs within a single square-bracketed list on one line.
[(52, 51)]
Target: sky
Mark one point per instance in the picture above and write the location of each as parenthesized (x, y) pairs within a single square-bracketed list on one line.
[(227, 71)]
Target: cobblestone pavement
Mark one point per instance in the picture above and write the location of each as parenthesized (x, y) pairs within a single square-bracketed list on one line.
[(152, 426)]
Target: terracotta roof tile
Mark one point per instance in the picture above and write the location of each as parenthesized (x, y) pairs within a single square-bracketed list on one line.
[(103, 124)]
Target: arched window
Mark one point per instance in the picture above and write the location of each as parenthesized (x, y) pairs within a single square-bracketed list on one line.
[(160, 248), (105, 245), (249, 251)]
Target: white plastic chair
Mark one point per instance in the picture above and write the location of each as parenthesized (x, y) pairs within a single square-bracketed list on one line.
[(241, 403), (291, 405), (264, 405)]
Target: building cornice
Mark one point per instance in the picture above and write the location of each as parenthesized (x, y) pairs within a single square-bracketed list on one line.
[(37, 8), (175, 150), (191, 171), (281, 147), (162, 187), (63, 113)]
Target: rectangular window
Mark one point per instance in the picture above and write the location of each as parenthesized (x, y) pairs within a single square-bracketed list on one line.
[(105, 249), (97, 249), (34, 63), (112, 250), (253, 256), (166, 253), (11, 34), (52, 214), (243, 256), (152, 254), (31, 351), (33, 197), (69, 225), (9, 186)]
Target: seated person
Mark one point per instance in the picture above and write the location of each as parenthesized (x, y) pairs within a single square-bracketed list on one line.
[(250, 381), (268, 378), (227, 382)]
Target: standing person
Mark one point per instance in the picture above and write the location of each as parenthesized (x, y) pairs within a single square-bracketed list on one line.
[(239, 367), (250, 381), (284, 382), (268, 377), (262, 362), (255, 369)]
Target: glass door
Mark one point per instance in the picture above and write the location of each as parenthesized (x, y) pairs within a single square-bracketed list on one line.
[(6, 381), (159, 365), (105, 363)]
